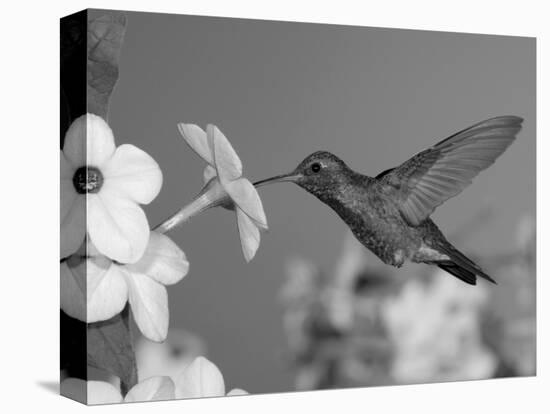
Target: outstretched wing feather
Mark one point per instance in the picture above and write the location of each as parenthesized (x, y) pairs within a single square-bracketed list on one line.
[(433, 176)]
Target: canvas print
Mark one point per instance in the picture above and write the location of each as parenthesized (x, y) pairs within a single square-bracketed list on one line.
[(255, 206)]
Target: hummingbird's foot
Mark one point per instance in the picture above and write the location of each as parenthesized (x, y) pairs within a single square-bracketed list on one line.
[(398, 258)]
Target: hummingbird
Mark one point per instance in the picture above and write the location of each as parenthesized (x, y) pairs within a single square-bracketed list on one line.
[(390, 213)]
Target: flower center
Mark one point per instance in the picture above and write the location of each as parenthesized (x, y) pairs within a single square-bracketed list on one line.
[(87, 180)]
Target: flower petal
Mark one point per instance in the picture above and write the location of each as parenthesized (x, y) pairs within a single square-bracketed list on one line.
[(152, 389), (74, 146), (195, 137), (68, 192), (228, 163), (249, 234), (73, 226), (100, 142), (89, 141), (208, 174), (163, 260), (237, 391), (149, 302), (100, 392), (117, 227), (106, 289), (132, 173), (66, 169), (72, 290), (201, 378), (243, 193)]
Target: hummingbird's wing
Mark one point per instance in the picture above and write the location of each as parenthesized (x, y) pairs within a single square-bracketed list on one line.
[(433, 176)]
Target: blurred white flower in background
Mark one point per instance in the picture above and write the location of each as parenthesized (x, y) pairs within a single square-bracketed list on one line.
[(512, 330), (202, 379), (340, 300), (368, 324), (100, 392), (170, 357), (435, 328), (332, 320), (224, 186), (298, 294), (109, 285), (301, 281), (101, 189)]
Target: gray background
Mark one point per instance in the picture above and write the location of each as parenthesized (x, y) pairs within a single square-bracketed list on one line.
[(280, 91)]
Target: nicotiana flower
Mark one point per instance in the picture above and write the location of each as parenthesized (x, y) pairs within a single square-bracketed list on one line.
[(94, 288), (202, 378), (224, 186), (101, 189), (100, 392)]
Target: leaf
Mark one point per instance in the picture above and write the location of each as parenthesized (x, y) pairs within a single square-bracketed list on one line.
[(110, 348), (72, 346), (72, 69), (105, 37)]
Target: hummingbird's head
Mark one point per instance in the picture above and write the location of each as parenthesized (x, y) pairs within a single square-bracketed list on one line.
[(318, 173)]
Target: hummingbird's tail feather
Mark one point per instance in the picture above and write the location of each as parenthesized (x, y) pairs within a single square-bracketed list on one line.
[(461, 266), (461, 273)]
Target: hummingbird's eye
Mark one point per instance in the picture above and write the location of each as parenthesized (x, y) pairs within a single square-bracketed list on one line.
[(316, 167)]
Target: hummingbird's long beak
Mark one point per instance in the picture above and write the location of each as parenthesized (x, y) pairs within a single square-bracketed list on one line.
[(293, 176)]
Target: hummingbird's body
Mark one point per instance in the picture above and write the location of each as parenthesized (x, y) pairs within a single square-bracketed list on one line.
[(368, 210), (389, 214)]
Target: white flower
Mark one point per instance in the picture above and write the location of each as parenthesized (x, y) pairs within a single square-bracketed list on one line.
[(101, 189), (94, 288), (225, 186), (436, 331), (202, 379), (199, 379), (100, 392)]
